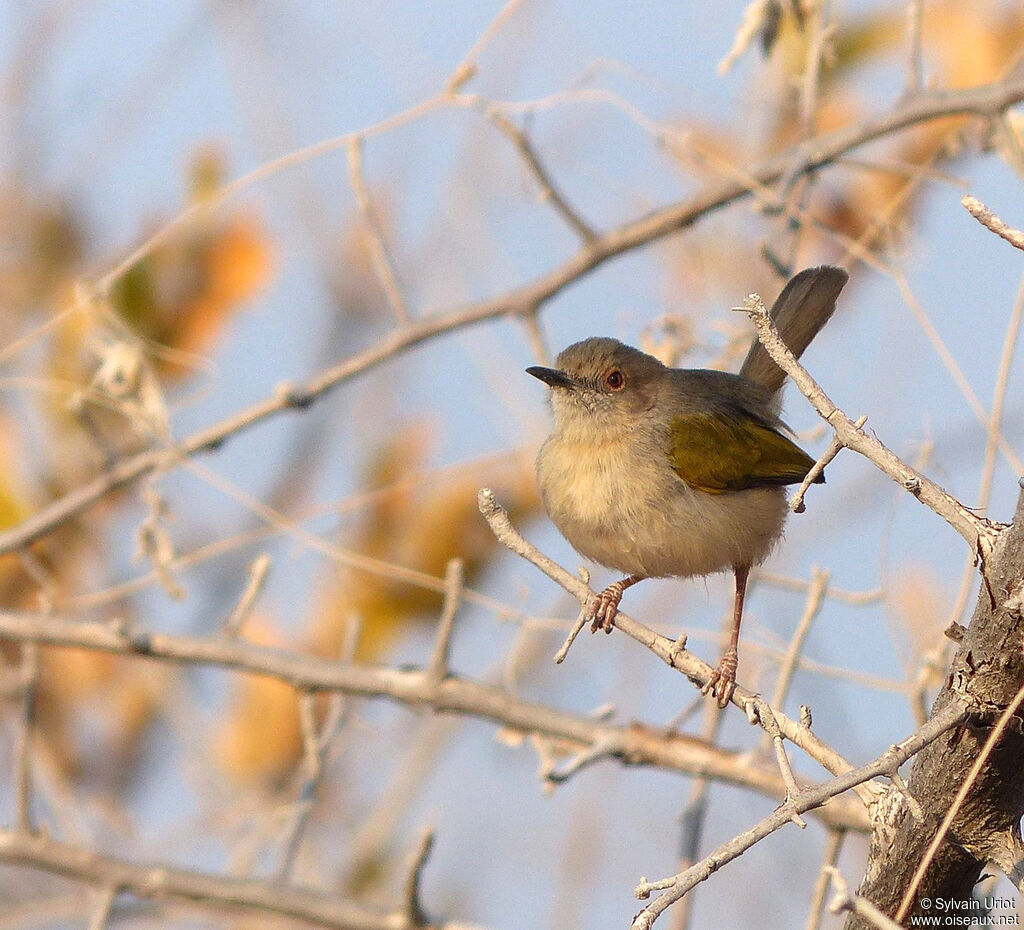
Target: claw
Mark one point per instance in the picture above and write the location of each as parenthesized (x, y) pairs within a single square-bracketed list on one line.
[(604, 607), (722, 682)]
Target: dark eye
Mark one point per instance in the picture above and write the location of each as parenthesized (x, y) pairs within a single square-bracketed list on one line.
[(615, 380)]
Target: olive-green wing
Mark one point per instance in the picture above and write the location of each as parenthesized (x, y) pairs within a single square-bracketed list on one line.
[(717, 453)]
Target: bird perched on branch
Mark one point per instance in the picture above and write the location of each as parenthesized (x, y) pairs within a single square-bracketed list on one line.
[(658, 472)]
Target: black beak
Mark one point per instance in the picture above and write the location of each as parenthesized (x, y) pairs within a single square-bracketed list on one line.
[(551, 376)]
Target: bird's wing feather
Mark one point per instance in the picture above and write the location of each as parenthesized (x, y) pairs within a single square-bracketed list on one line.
[(716, 452)]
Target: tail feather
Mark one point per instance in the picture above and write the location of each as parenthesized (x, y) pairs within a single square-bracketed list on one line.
[(805, 305)]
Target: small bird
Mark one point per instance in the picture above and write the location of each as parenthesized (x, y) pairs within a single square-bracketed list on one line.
[(665, 472)]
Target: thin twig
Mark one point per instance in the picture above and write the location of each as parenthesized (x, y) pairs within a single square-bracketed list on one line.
[(915, 56), (29, 675), (549, 192), (820, 33), (413, 908), (833, 846), (694, 814), (812, 607), (104, 905), (257, 573), (466, 68), (315, 745), (835, 445), (580, 622), (534, 332), (989, 220), (950, 363), (453, 581), (383, 265)]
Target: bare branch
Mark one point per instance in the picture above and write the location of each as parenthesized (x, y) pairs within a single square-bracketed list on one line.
[(413, 907), (833, 845), (578, 624), (812, 607), (987, 100), (915, 58), (29, 681), (640, 744), (694, 815), (104, 905), (160, 880), (771, 727)]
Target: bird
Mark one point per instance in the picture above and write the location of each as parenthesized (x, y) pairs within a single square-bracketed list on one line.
[(658, 472)]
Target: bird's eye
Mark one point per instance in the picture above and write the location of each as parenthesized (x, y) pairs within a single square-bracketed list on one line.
[(615, 379)]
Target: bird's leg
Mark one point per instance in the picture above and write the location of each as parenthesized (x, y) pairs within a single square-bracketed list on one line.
[(603, 608), (722, 682)]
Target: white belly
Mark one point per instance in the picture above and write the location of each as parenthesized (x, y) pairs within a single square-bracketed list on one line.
[(632, 513)]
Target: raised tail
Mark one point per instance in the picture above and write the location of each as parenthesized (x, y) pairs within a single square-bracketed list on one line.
[(800, 311)]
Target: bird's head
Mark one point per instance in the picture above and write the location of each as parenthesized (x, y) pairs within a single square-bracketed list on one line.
[(601, 384)]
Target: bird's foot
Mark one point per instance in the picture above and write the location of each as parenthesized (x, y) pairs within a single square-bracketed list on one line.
[(604, 607), (722, 682)]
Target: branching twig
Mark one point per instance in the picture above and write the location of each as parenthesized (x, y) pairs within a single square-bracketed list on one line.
[(675, 887), (979, 533), (671, 652), (771, 727)]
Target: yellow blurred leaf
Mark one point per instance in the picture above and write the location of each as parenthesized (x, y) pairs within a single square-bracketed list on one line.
[(260, 738)]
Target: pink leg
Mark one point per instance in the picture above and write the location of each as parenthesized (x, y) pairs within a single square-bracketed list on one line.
[(604, 607), (722, 682)]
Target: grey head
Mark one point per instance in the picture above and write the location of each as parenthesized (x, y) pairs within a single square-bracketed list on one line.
[(602, 383)]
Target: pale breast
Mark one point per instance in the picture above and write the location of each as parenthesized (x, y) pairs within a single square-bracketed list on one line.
[(620, 504)]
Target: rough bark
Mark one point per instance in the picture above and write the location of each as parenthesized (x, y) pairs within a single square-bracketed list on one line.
[(987, 672)]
